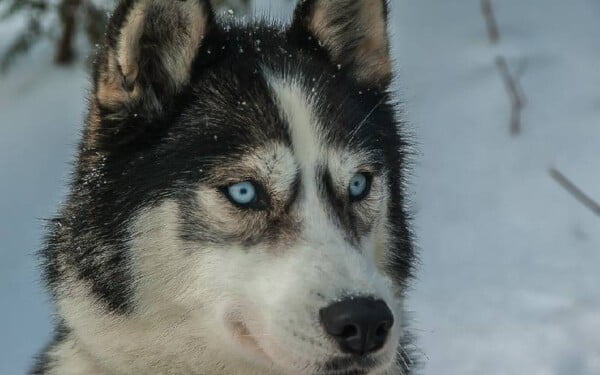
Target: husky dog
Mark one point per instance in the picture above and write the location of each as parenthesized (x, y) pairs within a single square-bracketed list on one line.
[(237, 204)]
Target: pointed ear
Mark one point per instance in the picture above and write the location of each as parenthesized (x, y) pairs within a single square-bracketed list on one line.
[(147, 60), (354, 34)]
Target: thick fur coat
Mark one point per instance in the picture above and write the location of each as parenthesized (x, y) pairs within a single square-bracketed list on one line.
[(158, 264)]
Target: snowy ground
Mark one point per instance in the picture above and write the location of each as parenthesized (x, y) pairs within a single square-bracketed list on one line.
[(509, 281), (510, 277)]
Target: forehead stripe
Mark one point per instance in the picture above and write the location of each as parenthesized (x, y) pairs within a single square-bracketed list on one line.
[(297, 109)]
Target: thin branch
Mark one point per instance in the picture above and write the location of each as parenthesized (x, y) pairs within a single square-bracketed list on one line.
[(490, 21), (576, 192), (65, 53), (517, 98)]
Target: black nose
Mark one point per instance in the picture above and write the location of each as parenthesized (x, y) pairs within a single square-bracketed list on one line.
[(359, 325)]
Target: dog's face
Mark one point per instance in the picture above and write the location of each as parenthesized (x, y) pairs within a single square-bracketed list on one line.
[(257, 178)]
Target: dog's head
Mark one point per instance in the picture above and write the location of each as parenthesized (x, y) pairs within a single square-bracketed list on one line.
[(248, 177)]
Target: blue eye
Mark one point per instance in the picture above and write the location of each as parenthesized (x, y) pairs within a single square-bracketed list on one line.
[(243, 193), (360, 184)]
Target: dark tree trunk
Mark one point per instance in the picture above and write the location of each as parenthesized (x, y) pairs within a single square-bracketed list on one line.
[(65, 53)]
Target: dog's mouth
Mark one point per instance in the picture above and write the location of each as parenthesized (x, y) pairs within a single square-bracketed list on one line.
[(351, 366), (345, 372), (250, 344), (242, 333), (243, 336)]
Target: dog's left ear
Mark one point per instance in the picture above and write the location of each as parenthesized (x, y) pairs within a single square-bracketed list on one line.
[(150, 49), (353, 33)]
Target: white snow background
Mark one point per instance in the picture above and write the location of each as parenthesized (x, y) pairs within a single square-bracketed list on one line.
[(510, 263)]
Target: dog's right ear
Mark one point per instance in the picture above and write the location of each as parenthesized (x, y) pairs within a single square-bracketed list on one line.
[(352, 32), (147, 60)]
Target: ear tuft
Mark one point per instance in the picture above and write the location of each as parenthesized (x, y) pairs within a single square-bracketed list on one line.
[(353, 32), (149, 53)]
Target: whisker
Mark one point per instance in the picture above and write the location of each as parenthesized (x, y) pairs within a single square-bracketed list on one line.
[(405, 367), (355, 131)]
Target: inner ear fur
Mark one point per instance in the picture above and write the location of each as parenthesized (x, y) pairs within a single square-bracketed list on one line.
[(150, 49), (354, 34)]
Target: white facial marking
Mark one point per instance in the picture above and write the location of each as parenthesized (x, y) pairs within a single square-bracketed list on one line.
[(308, 143)]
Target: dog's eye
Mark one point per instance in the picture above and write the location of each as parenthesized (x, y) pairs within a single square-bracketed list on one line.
[(360, 185), (243, 194)]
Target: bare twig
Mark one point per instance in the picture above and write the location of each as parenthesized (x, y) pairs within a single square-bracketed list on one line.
[(575, 191), (521, 68), (68, 16), (517, 97), (490, 21)]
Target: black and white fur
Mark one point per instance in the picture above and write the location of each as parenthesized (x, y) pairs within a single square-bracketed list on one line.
[(155, 271)]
